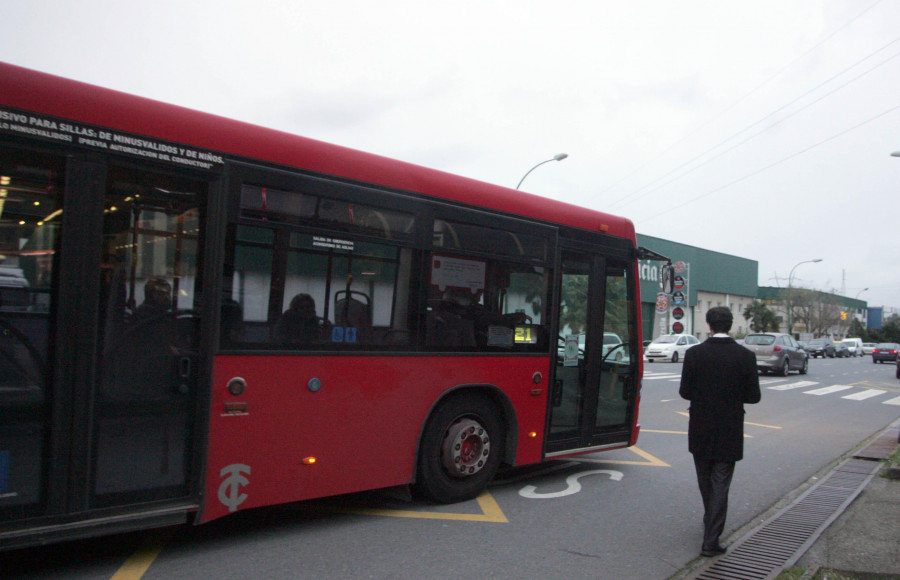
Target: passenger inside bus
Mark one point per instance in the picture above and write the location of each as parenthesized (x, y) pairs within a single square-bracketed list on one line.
[(452, 321), (300, 325), (141, 360), (157, 301)]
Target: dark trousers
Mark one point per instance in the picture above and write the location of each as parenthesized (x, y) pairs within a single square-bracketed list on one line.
[(714, 479)]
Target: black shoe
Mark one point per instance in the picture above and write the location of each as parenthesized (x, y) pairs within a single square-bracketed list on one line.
[(714, 550)]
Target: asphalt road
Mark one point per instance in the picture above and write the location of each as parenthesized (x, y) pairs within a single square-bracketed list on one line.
[(632, 513)]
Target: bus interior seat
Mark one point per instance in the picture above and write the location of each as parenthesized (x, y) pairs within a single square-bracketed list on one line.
[(353, 308)]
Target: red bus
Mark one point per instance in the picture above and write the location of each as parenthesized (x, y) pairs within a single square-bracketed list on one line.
[(199, 316)]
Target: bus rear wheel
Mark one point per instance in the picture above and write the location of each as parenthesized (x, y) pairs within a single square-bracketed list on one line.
[(460, 450)]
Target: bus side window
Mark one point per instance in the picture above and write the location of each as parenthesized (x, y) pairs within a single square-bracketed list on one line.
[(485, 305), (308, 291)]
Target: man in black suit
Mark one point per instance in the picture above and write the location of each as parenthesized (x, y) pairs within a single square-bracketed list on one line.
[(718, 377)]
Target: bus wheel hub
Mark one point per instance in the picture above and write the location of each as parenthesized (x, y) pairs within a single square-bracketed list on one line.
[(466, 448)]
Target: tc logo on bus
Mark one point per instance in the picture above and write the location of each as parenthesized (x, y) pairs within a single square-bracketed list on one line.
[(230, 489)]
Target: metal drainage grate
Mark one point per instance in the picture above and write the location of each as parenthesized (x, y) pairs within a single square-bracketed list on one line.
[(882, 447), (781, 540)]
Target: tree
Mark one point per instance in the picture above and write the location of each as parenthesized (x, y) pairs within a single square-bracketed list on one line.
[(891, 329), (761, 317), (803, 307), (574, 302), (857, 330)]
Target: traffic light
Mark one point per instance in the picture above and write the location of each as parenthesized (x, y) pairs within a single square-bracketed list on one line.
[(843, 315)]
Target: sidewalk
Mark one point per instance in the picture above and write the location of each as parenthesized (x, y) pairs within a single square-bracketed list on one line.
[(861, 541), (864, 542)]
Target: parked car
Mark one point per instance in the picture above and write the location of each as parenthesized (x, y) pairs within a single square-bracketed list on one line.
[(855, 345), (777, 352), (885, 351), (841, 350), (821, 347), (670, 346), (898, 367), (611, 348), (611, 341), (868, 347)]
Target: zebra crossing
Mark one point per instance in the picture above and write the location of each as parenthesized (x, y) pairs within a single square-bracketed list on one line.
[(859, 392)]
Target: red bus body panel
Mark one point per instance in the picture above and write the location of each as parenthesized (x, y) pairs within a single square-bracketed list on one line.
[(30, 90), (362, 426)]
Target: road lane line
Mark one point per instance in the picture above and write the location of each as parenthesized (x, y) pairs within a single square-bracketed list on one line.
[(762, 425), (865, 394), (828, 390), (789, 386)]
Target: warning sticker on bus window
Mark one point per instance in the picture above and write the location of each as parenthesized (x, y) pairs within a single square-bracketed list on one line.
[(570, 354), (447, 272)]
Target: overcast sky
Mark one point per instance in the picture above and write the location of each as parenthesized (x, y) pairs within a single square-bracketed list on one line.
[(760, 129)]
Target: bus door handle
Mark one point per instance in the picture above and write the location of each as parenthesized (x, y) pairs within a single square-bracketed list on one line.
[(185, 370), (184, 367), (556, 399)]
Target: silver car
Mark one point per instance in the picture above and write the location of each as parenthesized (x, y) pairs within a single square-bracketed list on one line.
[(777, 352)]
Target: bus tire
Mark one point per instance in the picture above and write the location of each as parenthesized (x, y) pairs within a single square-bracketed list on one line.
[(460, 451)]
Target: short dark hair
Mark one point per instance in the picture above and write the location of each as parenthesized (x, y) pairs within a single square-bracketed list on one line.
[(719, 319)]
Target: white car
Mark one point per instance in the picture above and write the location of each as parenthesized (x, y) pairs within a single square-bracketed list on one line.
[(611, 342), (670, 346)]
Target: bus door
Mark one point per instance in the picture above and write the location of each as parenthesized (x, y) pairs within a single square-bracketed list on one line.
[(99, 283), (147, 340), (593, 398), (98, 372)]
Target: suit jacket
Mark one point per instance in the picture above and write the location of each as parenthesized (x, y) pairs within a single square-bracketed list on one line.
[(718, 377)]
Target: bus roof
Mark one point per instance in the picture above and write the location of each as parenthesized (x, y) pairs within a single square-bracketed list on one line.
[(55, 96)]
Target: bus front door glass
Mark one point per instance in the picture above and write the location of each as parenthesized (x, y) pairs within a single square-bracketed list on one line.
[(30, 194), (568, 395), (616, 370), (148, 337)]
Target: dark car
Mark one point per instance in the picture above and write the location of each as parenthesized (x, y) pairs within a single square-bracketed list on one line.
[(898, 368), (886, 351), (820, 347), (776, 352), (841, 350)]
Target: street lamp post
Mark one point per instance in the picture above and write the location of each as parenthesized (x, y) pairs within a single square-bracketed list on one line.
[(790, 301), (557, 157)]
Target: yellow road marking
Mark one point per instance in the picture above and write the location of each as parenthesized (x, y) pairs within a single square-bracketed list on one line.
[(135, 566), (651, 461), (490, 512), (745, 423)]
